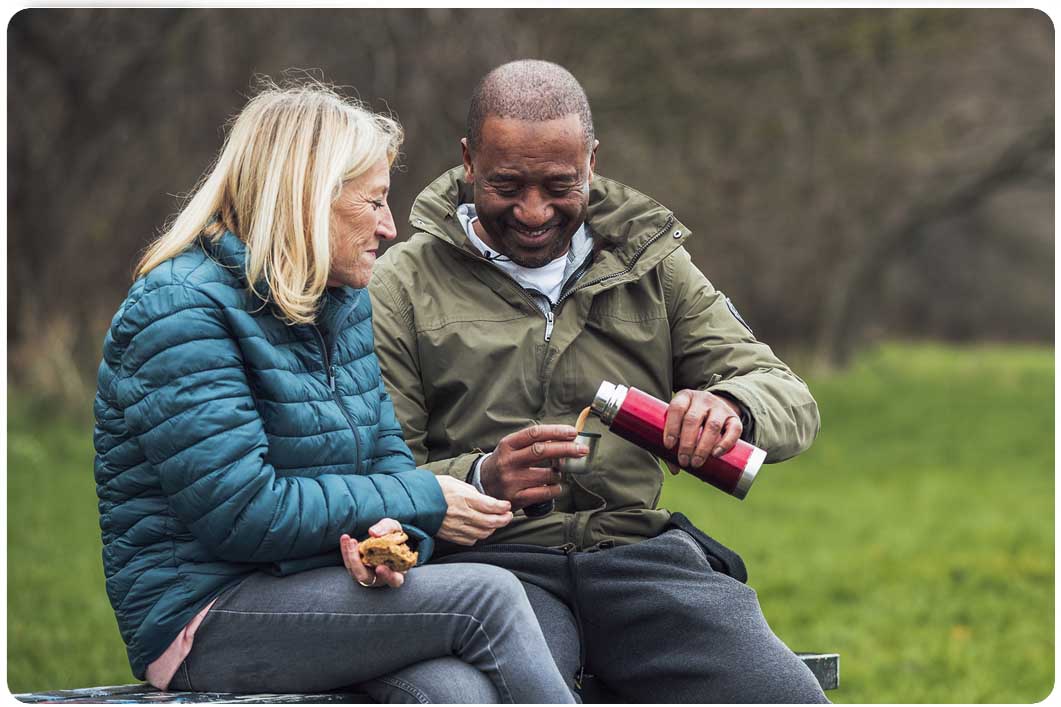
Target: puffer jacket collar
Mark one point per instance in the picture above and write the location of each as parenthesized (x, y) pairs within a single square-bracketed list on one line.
[(335, 306), (633, 231)]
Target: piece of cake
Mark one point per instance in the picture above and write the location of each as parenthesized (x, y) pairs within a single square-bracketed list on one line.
[(389, 550)]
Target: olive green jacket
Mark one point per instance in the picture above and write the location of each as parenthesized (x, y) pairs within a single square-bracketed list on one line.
[(468, 358)]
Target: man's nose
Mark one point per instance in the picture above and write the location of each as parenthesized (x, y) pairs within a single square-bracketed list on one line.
[(386, 229), (533, 209)]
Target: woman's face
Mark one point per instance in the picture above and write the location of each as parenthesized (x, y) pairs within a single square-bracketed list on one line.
[(361, 218)]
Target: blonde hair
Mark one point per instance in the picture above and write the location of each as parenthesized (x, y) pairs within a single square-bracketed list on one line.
[(282, 165)]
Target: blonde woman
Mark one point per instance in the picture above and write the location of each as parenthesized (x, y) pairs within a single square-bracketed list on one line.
[(244, 441)]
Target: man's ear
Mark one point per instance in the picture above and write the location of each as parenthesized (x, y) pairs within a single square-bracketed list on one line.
[(593, 158), (466, 155)]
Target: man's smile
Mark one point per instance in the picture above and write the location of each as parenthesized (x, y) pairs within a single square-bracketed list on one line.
[(534, 237)]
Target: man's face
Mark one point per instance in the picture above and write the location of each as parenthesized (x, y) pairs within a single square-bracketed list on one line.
[(531, 184)]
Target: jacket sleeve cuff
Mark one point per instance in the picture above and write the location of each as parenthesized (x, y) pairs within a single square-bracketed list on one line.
[(751, 407), (428, 498), (473, 478), (421, 542)]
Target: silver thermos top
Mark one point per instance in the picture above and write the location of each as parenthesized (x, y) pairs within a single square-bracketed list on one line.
[(607, 401)]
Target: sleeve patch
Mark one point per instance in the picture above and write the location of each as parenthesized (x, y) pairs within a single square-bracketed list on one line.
[(736, 314)]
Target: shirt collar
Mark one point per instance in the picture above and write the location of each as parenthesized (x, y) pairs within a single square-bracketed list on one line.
[(549, 278)]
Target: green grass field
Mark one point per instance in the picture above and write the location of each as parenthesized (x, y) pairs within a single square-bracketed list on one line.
[(916, 538)]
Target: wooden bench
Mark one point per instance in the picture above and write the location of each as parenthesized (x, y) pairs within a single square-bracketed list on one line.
[(825, 666)]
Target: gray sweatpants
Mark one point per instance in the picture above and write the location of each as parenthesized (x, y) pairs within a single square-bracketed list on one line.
[(658, 624), (319, 630)]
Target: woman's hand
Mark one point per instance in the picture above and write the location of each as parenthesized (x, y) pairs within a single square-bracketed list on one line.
[(380, 575), (470, 515)]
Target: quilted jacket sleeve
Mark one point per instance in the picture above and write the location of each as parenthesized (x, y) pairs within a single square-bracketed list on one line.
[(187, 403), (714, 350)]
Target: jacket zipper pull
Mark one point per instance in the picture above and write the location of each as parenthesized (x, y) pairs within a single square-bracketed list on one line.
[(331, 378), (549, 319)]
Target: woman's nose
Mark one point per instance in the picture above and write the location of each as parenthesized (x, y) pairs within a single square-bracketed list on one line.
[(386, 228)]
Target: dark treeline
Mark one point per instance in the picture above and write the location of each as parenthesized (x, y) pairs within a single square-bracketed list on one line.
[(850, 174)]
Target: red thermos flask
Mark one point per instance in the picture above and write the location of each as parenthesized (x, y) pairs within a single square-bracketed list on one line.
[(638, 417)]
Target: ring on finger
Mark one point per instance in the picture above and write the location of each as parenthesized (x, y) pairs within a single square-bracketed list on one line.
[(375, 581)]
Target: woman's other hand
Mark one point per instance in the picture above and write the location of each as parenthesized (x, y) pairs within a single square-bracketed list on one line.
[(470, 516), (380, 575)]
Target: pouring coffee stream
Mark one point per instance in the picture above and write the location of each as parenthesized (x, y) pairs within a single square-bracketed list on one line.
[(582, 416)]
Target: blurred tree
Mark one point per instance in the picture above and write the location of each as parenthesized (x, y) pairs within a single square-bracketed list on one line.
[(833, 164), (813, 146)]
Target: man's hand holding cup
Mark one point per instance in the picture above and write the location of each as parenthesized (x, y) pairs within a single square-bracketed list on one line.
[(522, 468)]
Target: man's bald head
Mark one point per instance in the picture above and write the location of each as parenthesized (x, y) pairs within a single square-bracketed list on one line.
[(531, 90)]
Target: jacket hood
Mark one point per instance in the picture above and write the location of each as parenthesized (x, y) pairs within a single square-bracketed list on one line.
[(634, 228)]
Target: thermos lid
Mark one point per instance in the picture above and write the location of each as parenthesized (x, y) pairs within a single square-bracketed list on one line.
[(604, 394), (608, 400)]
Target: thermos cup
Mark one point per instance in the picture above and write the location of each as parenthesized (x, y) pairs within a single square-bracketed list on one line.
[(581, 465), (638, 417)]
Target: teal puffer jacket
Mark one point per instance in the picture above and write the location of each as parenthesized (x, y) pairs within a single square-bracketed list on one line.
[(228, 442)]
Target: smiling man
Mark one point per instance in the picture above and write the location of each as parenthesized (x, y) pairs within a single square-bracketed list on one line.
[(529, 280), (531, 184)]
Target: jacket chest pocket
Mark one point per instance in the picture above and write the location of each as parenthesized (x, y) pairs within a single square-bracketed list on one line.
[(624, 341), (628, 304), (504, 350)]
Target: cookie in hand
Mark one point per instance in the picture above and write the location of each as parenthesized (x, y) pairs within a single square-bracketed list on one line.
[(389, 550)]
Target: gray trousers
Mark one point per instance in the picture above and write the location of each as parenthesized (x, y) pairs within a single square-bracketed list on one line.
[(471, 624), (657, 624)]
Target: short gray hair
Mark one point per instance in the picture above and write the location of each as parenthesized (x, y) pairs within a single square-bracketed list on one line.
[(529, 89)]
